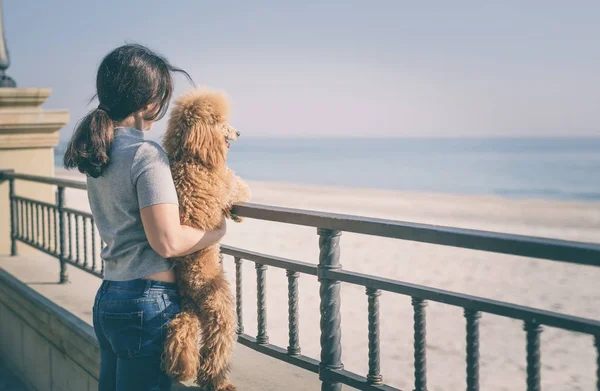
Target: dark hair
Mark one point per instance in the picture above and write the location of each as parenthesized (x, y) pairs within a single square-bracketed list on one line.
[(129, 78)]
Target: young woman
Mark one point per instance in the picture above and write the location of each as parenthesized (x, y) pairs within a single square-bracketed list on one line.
[(135, 207)]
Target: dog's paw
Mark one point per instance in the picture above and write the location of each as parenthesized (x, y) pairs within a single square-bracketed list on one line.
[(236, 218), (226, 387)]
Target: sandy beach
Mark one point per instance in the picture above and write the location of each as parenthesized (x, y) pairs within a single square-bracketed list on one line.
[(568, 359)]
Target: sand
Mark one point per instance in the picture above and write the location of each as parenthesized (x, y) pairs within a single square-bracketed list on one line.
[(568, 359)]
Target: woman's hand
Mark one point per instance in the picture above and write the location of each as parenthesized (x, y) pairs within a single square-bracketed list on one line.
[(171, 239)]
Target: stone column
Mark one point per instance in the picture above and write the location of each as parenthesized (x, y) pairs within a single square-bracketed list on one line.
[(28, 135)]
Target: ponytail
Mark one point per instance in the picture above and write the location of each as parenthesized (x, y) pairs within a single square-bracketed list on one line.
[(89, 148)]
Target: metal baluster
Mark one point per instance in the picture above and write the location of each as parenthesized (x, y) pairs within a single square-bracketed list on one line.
[(420, 344), (69, 235), (17, 219), (238, 295), (13, 220), (44, 209), (294, 338), (37, 224), (85, 248), (101, 260), (472, 349), (329, 292), (49, 228), (261, 294), (93, 244), (55, 221), (374, 375), (21, 220), (64, 276), (28, 220), (33, 224), (533, 331), (597, 343), (77, 246)]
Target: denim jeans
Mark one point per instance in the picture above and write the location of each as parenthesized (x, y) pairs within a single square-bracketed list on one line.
[(130, 320)]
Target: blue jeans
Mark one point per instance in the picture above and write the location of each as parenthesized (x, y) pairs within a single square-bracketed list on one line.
[(130, 320)]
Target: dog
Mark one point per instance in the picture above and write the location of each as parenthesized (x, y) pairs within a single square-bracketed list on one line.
[(197, 141)]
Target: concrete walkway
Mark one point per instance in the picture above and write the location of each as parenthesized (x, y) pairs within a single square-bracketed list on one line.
[(8, 381), (251, 370)]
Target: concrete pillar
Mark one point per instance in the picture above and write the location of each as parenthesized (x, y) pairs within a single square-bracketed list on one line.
[(28, 135)]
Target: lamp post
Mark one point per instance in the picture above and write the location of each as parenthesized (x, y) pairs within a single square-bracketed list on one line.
[(5, 81)]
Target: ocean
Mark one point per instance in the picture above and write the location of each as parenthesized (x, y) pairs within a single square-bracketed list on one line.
[(538, 168)]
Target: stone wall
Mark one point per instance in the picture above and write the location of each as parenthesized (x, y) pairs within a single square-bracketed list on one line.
[(46, 346)]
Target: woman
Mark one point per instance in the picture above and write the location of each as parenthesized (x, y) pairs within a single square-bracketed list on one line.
[(135, 207)]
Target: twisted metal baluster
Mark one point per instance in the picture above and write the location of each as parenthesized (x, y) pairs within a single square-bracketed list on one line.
[(472, 349), (331, 319), (293, 318), (420, 344), (374, 376), (533, 331), (238, 295), (94, 256), (261, 295)]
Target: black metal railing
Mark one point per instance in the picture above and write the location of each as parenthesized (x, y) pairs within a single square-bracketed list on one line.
[(57, 240)]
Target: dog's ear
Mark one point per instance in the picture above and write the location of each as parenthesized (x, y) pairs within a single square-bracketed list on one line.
[(193, 129)]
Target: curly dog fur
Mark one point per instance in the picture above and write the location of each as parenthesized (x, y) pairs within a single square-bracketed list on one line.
[(197, 141)]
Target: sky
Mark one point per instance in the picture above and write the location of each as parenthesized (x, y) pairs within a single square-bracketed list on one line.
[(336, 68)]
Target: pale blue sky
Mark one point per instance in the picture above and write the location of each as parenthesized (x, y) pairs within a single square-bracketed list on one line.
[(347, 68)]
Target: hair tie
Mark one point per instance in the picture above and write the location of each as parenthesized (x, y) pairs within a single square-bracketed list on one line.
[(103, 107)]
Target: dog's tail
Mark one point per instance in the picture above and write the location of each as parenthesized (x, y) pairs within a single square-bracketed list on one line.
[(180, 357)]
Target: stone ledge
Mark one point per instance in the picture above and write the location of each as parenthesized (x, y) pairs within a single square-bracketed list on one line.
[(23, 97)]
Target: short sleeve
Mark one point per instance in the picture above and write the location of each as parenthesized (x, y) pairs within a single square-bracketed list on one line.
[(151, 176)]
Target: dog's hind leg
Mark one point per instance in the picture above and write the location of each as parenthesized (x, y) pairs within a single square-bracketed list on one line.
[(180, 355), (218, 326)]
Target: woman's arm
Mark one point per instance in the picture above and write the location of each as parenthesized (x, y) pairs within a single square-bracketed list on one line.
[(171, 239)]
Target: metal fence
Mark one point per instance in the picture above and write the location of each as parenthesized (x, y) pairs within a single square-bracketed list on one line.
[(56, 230)]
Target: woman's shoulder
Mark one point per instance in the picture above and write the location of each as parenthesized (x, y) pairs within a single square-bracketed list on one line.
[(149, 149), (149, 155)]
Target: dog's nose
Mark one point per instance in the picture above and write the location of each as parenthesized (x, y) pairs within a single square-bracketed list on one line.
[(238, 133)]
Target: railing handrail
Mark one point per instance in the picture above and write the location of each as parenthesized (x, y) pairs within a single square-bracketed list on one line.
[(575, 252), (70, 183)]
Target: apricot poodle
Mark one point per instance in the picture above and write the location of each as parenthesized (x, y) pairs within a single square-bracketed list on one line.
[(200, 339)]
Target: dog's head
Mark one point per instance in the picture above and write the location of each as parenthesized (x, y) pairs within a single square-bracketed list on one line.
[(198, 128)]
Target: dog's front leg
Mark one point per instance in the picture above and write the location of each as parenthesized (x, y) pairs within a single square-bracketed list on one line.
[(239, 192)]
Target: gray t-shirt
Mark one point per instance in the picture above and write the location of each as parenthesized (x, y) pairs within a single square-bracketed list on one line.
[(138, 175)]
